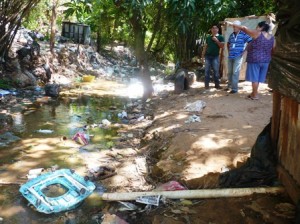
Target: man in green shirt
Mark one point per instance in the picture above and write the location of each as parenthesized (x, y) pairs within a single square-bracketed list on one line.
[(211, 51)]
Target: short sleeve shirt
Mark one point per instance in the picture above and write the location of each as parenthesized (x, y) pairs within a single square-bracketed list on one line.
[(237, 44), (212, 47)]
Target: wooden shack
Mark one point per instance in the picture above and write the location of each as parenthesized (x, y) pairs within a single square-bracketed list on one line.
[(286, 138), (284, 79)]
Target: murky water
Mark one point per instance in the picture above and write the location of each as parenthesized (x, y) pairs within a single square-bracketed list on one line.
[(46, 131)]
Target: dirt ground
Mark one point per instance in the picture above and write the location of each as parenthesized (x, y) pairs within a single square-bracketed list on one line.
[(196, 153)]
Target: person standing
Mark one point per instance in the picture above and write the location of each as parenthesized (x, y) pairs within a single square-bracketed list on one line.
[(258, 56), (236, 44), (211, 52)]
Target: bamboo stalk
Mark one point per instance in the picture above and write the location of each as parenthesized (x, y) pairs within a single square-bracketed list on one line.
[(190, 194)]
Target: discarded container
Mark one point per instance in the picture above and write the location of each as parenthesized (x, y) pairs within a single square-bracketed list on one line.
[(88, 78), (77, 190)]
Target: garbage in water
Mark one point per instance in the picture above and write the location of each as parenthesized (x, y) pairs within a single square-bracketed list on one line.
[(197, 106), (81, 138), (77, 189), (149, 200), (34, 173), (44, 131), (4, 92)]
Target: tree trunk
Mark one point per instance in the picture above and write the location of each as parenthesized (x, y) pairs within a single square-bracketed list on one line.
[(156, 27), (98, 39), (11, 14), (139, 38), (53, 25)]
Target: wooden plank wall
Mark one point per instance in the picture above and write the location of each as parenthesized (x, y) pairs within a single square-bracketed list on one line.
[(286, 138)]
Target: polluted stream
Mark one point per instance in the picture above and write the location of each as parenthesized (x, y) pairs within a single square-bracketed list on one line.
[(47, 144)]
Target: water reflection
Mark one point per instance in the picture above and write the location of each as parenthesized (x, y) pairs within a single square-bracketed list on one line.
[(68, 116)]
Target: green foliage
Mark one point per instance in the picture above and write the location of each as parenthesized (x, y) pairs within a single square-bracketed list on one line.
[(6, 84), (181, 23), (38, 16), (80, 8)]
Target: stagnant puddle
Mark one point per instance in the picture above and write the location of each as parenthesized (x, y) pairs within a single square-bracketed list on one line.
[(46, 132)]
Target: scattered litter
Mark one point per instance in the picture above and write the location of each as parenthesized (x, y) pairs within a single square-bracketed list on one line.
[(192, 119), (141, 165), (171, 186), (78, 188), (106, 122), (123, 114), (127, 206), (149, 200), (34, 173), (4, 92), (100, 172), (186, 202), (141, 118), (81, 138), (197, 106), (224, 169), (44, 131)]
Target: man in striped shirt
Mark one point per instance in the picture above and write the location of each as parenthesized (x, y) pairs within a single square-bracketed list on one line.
[(236, 45)]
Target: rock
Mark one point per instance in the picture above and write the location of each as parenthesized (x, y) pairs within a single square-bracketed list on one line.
[(5, 120), (52, 90), (7, 138)]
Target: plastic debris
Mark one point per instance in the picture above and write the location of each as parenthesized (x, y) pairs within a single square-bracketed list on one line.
[(106, 122), (127, 206), (149, 200), (141, 118), (192, 119), (34, 173), (171, 186), (81, 138), (197, 106), (78, 188), (4, 92), (45, 131), (123, 114)]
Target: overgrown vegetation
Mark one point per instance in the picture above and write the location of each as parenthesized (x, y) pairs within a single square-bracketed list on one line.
[(170, 28), (160, 30)]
